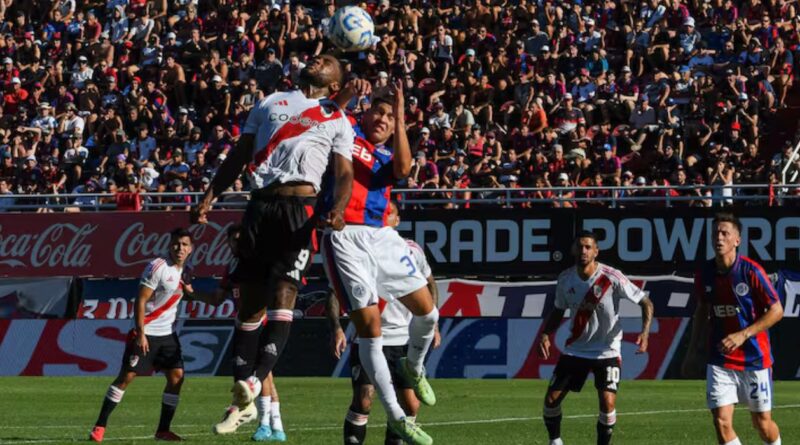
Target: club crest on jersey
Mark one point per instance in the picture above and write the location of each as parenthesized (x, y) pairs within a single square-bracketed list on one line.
[(383, 151), (598, 290), (742, 289), (359, 291), (133, 360)]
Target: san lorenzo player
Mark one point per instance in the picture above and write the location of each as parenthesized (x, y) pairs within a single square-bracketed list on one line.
[(368, 260), (153, 343), (737, 303), (395, 319), (592, 292), (288, 141)]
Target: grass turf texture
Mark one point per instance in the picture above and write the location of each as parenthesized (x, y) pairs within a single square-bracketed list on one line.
[(487, 412)]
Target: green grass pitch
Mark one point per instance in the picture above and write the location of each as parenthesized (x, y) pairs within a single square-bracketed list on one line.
[(54, 410)]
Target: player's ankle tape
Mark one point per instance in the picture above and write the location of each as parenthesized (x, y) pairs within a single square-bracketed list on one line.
[(357, 419), (281, 315), (552, 412), (607, 419)]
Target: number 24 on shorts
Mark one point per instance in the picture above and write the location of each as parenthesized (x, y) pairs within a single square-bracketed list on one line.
[(755, 387), (409, 263)]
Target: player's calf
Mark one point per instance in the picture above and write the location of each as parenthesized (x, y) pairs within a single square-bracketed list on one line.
[(605, 427), (552, 421), (766, 427)]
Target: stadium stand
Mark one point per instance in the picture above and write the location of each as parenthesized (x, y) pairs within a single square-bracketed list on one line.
[(149, 96)]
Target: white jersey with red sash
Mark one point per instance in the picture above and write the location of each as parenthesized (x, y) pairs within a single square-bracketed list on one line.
[(164, 278), (595, 332), (294, 138)]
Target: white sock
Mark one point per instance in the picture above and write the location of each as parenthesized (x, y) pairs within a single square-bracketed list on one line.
[(263, 406), (777, 441), (275, 416), (420, 332), (556, 442), (370, 351), (733, 442)]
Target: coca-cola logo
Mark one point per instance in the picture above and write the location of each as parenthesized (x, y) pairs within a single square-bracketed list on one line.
[(58, 245), (136, 247)]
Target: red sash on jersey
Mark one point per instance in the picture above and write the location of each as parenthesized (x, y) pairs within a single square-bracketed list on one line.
[(173, 300), (590, 301), (294, 128)]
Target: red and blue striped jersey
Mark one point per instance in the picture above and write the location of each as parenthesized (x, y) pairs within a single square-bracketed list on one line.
[(373, 179), (736, 300)]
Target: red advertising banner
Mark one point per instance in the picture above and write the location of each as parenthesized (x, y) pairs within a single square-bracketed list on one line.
[(117, 244)]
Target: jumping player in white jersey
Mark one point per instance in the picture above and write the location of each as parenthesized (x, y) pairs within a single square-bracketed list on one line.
[(368, 260), (288, 141), (395, 319), (153, 343), (592, 292)]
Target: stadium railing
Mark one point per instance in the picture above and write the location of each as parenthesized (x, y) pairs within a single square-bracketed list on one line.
[(613, 197)]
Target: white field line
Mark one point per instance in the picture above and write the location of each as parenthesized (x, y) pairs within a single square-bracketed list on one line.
[(336, 427)]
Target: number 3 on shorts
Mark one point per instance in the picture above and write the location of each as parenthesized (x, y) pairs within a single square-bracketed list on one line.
[(410, 264)]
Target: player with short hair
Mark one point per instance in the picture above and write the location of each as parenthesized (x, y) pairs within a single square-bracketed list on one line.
[(368, 259), (737, 301), (288, 141), (395, 319), (592, 292), (153, 343)]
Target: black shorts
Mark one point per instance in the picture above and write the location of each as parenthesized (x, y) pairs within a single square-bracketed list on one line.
[(277, 239), (165, 353), (571, 373), (393, 355)]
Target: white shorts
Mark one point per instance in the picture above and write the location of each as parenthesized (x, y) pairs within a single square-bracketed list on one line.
[(366, 263), (728, 387)]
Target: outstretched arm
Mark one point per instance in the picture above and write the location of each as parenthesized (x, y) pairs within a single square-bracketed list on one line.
[(230, 169)]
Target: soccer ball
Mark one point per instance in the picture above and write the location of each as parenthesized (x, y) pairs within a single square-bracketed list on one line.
[(351, 29)]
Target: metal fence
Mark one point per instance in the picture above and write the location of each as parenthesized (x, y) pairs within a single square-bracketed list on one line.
[(612, 197)]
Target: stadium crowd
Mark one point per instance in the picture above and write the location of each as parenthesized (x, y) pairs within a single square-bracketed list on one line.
[(127, 96)]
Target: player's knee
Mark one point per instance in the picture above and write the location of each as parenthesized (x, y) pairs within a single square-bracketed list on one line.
[(762, 422), (123, 380), (552, 400), (361, 404), (723, 424), (175, 378), (285, 294)]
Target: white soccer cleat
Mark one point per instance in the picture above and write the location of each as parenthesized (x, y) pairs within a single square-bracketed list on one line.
[(235, 417), (245, 392)]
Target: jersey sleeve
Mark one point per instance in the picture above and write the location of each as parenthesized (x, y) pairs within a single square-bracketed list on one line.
[(344, 138), (763, 293), (152, 274), (255, 118), (561, 299), (624, 288)]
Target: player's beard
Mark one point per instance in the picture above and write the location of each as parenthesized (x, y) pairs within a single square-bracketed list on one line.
[(315, 80)]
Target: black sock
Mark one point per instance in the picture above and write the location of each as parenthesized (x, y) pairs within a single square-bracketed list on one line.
[(112, 399), (553, 425), (169, 403), (355, 428), (392, 438), (245, 349), (105, 411), (273, 340), (604, 434)]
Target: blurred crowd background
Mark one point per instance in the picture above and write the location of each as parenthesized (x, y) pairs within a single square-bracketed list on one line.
[(128, 96)]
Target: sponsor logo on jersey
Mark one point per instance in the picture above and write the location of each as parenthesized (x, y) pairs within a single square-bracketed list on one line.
[(742, 289), (725, 310), (295, 120)]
